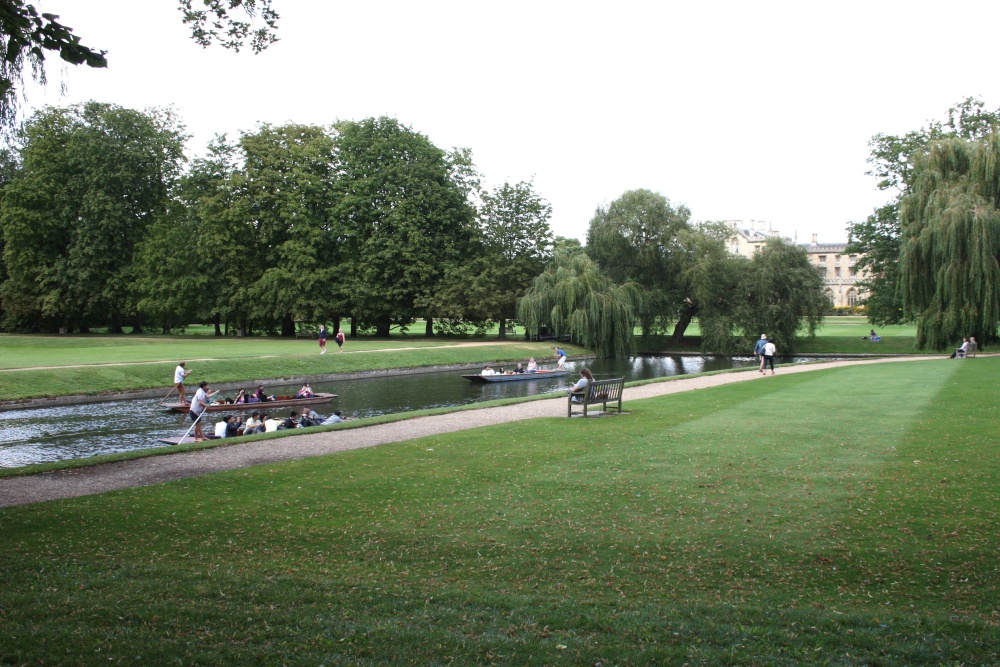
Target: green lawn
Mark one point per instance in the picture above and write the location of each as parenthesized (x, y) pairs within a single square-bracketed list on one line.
[(838, 517)]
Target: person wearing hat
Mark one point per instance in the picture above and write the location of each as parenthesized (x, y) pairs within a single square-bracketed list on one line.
[(758, 351)]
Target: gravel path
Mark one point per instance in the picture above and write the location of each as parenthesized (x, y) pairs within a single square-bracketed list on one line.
[(156, 469)]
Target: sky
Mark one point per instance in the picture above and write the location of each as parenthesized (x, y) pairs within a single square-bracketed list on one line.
[(739, 111)]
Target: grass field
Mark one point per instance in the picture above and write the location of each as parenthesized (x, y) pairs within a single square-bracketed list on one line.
[(838, 517)]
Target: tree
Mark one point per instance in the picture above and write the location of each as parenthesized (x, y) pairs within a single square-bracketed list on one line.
[(93, 178), (573, 296), (950, 246), (635, 239), (517, 243), (877, 239), (405, 222), (777, 292), (26, 36)]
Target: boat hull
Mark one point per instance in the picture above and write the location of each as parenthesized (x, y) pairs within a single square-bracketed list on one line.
[(317, 399), (516, 377)]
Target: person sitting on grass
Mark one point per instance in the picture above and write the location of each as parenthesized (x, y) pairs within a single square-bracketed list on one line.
[(336, 418), (255, 424), (290, 421)]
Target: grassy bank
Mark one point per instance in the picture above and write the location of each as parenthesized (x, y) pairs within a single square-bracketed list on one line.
[(844, 517)]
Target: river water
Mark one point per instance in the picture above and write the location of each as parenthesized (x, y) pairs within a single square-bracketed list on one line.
[(49, 434)]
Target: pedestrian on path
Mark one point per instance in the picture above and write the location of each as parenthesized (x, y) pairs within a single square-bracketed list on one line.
[(769, 350), (322, 339), (758, 351), (340, 339)]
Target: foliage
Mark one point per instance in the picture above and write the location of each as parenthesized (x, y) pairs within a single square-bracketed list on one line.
[(215, 23), (573, 296), (635, 238), (777, 292), (892, 161), (93, 178), (737, 526), (950, 255), (405, 222)]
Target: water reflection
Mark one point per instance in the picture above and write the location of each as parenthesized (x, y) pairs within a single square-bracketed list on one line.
[(79, 431)]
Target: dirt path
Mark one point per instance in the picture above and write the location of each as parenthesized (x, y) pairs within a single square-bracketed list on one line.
[(153, 470)]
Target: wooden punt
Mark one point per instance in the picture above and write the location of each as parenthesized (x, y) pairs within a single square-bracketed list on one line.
[(515, 377), (280, 402)]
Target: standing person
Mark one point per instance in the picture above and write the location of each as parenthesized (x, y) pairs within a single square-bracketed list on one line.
[(758, 350), (179, 374), (198, 405), (340, 339), (322, 339), (769, 350), (561, 356)]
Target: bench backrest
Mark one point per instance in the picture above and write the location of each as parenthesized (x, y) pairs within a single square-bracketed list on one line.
[(606, 390), (971, 350)]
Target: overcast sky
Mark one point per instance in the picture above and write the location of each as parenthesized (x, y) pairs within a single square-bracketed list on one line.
[(753, 111)]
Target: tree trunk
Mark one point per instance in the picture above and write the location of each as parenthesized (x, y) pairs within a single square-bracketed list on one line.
[(218, 326), (503, 328), (382, 326), (354, 327), (682, 324), (429, 327), (288, 326), (137, 324)]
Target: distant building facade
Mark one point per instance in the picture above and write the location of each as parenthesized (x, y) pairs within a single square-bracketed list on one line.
[(839, 270)]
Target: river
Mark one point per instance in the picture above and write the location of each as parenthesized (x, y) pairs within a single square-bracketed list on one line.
[(60, 433)]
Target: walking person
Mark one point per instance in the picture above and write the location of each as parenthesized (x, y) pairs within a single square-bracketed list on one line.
[(179, 374), (758, 350), (769, 350), (340, 339), (322, 339)]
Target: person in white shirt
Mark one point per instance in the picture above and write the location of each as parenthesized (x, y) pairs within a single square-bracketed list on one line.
[(179, 374), (769, 350), (200, 401), (488, 371)]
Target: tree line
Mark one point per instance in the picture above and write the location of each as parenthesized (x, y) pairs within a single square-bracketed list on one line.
[(103, 226)]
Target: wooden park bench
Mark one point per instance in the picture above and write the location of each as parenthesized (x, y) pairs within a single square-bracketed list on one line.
[(598, 391), (968, 352)]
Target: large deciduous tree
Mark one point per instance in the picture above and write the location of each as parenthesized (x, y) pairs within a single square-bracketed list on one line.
[(950, 246), (573, 296), (404, 219), (892, 160), (635, 238), (92, 179)]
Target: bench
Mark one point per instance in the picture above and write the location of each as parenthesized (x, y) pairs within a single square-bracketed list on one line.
[(969, 352), (599, 391)]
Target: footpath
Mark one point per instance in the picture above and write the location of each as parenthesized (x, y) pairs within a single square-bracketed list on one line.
[(158, 469)]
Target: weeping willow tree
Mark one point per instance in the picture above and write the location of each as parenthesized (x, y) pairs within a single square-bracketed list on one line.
[(950, 224), (573, 296)]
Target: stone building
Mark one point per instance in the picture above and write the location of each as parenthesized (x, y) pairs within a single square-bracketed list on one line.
[(840, 274)]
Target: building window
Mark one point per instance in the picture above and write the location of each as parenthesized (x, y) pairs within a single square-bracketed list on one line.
[(854, 270), (852, 298), (854, 258), (836, 271), (822, 259)]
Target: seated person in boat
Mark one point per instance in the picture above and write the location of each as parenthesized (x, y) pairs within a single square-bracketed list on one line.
[(488, 371), (532, 365), (336, 418), (241, 397), (255, 424), (309, 418), (260, 395), (290, 421), (305, 392), (519, 369), (271, 425)]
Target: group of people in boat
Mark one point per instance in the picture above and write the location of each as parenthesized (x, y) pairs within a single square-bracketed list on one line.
[(260, 422), (532, 368)]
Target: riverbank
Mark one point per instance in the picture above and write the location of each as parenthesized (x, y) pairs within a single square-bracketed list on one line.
[(98, 478)]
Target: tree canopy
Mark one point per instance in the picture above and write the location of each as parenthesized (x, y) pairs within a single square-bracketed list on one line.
[(950, 245)]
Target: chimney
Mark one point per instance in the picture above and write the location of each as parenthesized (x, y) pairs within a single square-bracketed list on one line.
[(815, 236)]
